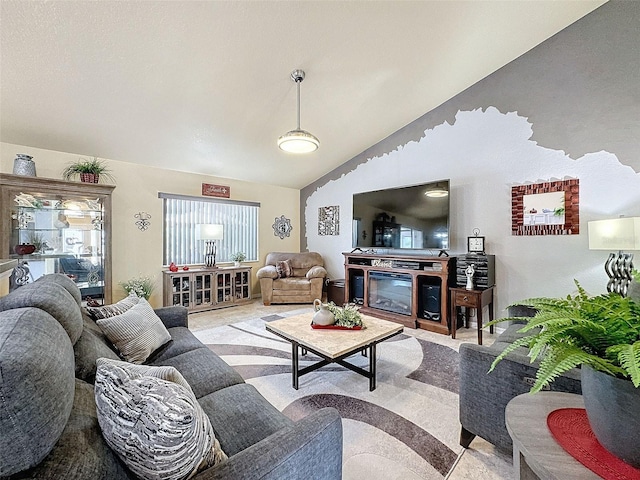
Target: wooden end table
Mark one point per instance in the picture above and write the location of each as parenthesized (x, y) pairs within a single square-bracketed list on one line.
[(333, 346), (536, 454), (478, 299)]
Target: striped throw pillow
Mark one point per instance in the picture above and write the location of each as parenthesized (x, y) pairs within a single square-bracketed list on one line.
[(136, 333), (156, 426), (118, 308)]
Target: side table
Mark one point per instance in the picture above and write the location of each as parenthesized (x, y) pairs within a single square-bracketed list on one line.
[(478, 299), (536, 454)]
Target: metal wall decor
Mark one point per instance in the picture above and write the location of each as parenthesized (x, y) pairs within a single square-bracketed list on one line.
[(143, 220), (560, 217), (282, 227), (329, 220)]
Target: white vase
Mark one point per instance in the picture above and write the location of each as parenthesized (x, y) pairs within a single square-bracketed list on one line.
[(236, 264)]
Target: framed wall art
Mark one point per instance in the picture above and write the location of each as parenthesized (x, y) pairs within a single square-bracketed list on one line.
[(329, 220), (547, 208)]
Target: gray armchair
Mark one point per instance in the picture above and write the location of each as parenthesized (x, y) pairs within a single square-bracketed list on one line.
[(484, 396)]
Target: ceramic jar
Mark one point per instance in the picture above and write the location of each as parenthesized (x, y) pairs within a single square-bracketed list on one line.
[(24, 165), (323, 315)]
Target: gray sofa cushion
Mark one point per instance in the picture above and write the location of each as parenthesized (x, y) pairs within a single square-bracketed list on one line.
[(64, 281), (36, 386), (203, 370), (242, 417), (182, 341), (81, 452), (89, 347), (54, 299)]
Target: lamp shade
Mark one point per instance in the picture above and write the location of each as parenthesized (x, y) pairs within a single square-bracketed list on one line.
[(209, 231), (615, 234), (298, 141)]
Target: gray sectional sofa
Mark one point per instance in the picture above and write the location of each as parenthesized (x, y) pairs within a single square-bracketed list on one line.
[(48, 421)]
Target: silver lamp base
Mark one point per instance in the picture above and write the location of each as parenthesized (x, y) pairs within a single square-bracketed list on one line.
[(619, 267)]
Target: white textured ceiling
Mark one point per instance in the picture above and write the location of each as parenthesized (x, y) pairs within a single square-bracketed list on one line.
[(203, 86)]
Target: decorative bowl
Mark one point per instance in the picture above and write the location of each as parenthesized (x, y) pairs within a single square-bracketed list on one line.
[(24, 249)]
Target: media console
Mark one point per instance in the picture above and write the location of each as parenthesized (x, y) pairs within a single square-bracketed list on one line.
[(409, 289)]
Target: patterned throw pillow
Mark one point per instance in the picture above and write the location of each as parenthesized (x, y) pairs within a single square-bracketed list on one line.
[(136, 333), (284, 269), (156, 426), (118, 308)]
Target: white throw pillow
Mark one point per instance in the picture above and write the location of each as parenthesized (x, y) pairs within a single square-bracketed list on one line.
[(157, 427), (136, 333)]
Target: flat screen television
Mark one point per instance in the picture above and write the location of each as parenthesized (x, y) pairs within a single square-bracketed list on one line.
[(414, 217)]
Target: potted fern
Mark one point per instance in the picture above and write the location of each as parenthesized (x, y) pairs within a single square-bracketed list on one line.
[(600, 334), (89, 171)]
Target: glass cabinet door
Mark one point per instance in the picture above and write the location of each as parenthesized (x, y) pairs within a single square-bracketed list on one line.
[(55, 236)]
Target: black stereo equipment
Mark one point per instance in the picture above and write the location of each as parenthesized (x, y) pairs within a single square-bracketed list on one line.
[(357, 289), (429, 306), (484, 270)]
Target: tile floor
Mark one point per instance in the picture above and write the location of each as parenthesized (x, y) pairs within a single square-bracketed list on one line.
[(480, 462)]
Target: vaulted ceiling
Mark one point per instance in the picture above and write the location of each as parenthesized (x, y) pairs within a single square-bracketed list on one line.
[(204, 86)]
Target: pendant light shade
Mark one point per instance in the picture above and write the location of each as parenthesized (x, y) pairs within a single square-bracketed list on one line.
[(298, 140)]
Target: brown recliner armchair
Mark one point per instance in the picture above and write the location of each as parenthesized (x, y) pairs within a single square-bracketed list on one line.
[(292, 277)]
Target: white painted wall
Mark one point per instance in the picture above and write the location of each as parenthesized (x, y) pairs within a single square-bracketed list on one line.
[(485, 153)]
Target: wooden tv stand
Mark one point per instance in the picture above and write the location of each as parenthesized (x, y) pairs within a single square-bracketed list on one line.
[(415, 271)]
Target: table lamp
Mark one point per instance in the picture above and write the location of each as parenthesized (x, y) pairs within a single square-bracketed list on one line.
[(616, 234), (209, 232)]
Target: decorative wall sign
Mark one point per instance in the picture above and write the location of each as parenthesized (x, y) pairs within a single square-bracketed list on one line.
[(211, 190), (282, 227), (548, 208), (329, 220), (143, 220)]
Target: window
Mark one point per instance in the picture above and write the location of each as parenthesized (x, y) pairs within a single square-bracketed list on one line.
[(182, 213)]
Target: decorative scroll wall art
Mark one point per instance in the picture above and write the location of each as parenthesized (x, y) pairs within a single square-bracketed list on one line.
[(282, 227), (329, 220), (547, 208), (143, 220)]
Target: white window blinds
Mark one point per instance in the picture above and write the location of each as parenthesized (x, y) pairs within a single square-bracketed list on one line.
[(182, 213)]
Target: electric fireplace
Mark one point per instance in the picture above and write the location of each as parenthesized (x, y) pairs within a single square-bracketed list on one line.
[(390, 292)]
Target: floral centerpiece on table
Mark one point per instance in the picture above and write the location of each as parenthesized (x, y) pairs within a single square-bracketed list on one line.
[(142, 286), (347, 316)]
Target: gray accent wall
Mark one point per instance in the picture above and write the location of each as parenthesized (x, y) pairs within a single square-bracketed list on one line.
[(580, 92)]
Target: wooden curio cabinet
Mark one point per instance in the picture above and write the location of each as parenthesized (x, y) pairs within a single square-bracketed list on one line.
[(54, 226)]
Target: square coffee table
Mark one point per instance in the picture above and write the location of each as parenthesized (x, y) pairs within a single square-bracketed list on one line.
[(333, 346)]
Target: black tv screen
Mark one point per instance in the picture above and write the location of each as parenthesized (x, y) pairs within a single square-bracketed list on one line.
[(414, 217)]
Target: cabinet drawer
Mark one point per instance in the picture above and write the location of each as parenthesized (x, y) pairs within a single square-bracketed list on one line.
[(464, 299)]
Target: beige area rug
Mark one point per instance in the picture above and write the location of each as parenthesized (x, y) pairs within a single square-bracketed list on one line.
[(407, 428)]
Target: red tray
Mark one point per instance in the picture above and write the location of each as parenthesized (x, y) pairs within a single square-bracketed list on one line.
[(334, 327)]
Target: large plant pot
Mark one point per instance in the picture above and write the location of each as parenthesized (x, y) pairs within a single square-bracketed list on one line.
[(613, 409)]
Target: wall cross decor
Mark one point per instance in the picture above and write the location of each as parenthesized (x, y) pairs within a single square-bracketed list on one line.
[(329, 220)]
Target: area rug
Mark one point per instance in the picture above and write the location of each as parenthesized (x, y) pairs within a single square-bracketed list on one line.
[(407, 428)]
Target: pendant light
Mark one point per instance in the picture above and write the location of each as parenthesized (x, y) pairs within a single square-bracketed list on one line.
[(298, 140)]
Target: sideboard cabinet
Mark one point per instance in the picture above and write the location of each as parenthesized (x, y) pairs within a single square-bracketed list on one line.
[(207, 288), (54, 226)]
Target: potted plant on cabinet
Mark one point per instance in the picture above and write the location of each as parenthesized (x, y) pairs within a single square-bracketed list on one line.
[(89, 171), (600, 334), (237, 258)]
